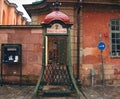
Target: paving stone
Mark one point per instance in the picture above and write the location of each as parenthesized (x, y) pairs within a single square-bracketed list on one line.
[(25, 92)]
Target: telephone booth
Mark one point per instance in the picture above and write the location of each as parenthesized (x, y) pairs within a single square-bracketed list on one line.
[(56, 76)]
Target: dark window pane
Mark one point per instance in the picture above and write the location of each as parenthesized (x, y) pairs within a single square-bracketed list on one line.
[(117, 27), (118, 47), (113, 22), (113, 27), (113, 35), (117, 35), (118, 41), (113, 41), (113, 47), (117, 22)]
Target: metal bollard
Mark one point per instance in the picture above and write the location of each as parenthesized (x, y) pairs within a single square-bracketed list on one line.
[(92, 77)]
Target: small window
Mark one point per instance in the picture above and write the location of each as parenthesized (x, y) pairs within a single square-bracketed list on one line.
[(115, 37)]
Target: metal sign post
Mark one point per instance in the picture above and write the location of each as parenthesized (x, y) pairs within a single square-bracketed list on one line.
[(101, 47), (102, 58)]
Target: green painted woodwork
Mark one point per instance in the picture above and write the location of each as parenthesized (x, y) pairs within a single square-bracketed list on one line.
[(69, 64), (62, 52)]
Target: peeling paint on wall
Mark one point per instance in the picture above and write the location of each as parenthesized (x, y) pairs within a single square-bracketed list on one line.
[(91, 51)]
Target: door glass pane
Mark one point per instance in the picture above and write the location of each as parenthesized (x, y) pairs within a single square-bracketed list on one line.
[(57, 48)]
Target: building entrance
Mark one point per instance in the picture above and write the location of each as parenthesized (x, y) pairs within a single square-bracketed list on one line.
[(56, 73), (57, 50)]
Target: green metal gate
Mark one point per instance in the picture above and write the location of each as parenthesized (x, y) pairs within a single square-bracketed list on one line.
[(56, 74)]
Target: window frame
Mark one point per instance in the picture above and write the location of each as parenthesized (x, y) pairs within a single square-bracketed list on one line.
[(116, 25)]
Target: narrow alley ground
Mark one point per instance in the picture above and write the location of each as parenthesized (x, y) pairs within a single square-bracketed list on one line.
[(26, 92)]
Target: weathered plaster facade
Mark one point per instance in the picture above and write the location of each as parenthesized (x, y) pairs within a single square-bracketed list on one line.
[(95, 20)]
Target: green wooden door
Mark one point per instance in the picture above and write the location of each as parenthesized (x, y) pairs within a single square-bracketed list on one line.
[(62, 53)]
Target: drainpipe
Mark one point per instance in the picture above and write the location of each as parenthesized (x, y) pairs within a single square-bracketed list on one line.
[(78, 38)]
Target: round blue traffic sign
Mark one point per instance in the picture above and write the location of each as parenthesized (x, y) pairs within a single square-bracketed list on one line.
[(101, 45)]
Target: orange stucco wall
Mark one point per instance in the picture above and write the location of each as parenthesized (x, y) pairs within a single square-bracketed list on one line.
[(94, 23), (9, 15), (41, 18), (38, 19)]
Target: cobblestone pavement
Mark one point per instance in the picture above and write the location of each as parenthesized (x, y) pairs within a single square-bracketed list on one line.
[(25, 92), (102, 92)]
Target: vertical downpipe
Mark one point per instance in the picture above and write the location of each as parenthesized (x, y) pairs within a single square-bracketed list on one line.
[(78, 40)]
